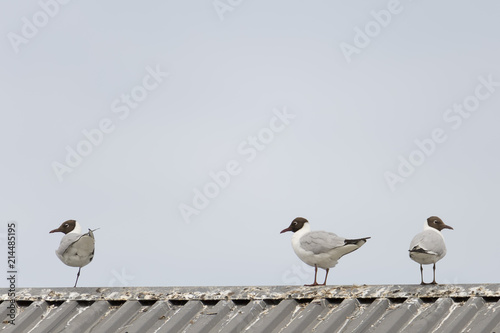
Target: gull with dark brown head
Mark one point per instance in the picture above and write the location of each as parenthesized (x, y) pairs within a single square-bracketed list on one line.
[(428, 247), (320, 248), (76, 249)]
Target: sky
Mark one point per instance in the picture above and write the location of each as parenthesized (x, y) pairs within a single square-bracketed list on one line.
[(192, 132)]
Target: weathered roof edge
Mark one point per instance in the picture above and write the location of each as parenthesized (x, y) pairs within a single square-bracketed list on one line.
[(252, 292)]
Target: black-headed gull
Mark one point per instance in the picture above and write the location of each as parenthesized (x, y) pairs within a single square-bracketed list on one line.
[(320, 248), (428, 246), (76, 249)]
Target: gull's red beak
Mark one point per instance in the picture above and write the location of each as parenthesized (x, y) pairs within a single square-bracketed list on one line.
[(285, 230)]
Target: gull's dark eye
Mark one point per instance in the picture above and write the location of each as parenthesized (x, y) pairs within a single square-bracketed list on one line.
[(294, 223), (66, 225)]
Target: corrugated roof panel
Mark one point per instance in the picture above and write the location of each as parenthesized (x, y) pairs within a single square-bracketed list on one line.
[(119, 318), (338, 317), (394, 320), (387, 309), (210, 317), (4, 310), (461, 316), (243, 317), (181, 318), (365, 317), (86, 317), (27, 318), (54, 318), (149, 319), (487, 320), (308, 317), (430, 317), (273, 319)]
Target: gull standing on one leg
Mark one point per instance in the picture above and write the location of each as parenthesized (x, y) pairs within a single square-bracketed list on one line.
[(76, 249)]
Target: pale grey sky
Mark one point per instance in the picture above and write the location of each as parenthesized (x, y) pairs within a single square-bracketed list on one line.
[(363, 117)]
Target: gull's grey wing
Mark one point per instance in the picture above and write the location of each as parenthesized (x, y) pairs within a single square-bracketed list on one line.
[(429, 242), (66, 242), (85, 243), (321, 241)]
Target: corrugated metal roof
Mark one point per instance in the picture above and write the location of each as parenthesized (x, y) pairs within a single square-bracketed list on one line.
[(404, 308)]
